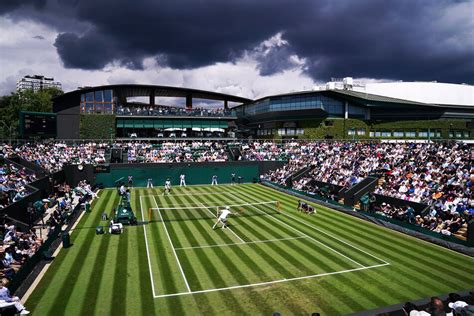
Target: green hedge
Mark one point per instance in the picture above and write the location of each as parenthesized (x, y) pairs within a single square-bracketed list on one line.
[(318, 128), (97, 126)]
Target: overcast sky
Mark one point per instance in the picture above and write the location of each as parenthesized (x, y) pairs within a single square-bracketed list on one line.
[(249, 48)]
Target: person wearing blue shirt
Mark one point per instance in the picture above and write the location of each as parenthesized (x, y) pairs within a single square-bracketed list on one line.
[(7, 300)]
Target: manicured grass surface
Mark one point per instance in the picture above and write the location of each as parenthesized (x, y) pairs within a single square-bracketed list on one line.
[(292, 263)]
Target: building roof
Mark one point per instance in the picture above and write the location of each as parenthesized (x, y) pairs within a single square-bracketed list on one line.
[(384, 99), (366, 99), (139, 90)]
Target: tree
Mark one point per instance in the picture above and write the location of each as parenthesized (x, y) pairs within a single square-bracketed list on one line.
[(12, 105)]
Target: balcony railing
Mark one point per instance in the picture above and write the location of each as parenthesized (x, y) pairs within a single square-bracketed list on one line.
[(174, 112)]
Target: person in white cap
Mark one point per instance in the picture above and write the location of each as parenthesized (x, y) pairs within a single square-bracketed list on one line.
[(222, 217), (457, 306)]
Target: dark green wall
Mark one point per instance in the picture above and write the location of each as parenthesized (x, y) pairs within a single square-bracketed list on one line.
[(195, 174)]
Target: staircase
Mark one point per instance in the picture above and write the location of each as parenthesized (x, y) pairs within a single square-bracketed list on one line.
[(234, 152), (353, 194), (301, 173)]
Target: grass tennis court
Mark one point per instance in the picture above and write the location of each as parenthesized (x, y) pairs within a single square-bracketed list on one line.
[(271, 258)]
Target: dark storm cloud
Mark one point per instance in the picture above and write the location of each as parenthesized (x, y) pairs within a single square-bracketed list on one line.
[(402, 39), (38, 37)]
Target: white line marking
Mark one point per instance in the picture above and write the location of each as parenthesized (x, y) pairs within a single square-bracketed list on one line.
[(272, 282), (241, 240), (147, 251), (332, 236), (240, 244), (185, 194), (163, 205), (174, 251), (204, 206), (299, 231)]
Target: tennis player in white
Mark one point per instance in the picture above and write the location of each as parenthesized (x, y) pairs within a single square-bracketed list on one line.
[(167, 187), (222, 217), (182, 180)]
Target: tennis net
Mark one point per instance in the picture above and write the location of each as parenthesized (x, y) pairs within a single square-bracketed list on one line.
[(183, 213)]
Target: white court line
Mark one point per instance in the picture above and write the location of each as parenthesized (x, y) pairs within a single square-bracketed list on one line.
[(330, 235), (299, 231), (240, 244), (163, 206), (271, 282), (185, 194), (241, 240), (204, 206), (174, 251), (147, 251)]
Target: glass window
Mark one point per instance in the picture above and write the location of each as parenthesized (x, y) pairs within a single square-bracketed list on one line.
[(90, 97), (361, 131), (423, 134), (300, 131), (83, 97), (386, 134), (89, 107), (98, 96), (371, 134), (398, 134), (107, 95), (281, 132), (378, 134), (458, 134), (108, 108), (351, 131), (467, 134), (410, 134)]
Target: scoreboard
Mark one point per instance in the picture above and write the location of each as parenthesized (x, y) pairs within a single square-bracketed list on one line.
[(38, 124)]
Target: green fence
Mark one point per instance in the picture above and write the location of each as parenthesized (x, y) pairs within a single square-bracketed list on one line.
[(195, 174)]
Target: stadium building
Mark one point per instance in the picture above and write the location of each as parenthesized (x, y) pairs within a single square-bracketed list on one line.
[(340, 109)]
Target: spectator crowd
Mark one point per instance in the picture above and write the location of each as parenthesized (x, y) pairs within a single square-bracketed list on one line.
[(440, 175), (13, 183), (172, 111)]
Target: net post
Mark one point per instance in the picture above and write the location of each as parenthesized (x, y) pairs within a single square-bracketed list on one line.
[(149, 214)]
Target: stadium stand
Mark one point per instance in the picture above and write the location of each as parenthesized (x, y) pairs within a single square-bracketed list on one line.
[(13, 183), (171, 111), (437, 175)]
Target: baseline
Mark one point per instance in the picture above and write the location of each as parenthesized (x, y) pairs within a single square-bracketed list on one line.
[(271, 282)]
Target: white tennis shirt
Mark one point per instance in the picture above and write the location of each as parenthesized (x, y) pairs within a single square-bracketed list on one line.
[(224, 214)]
